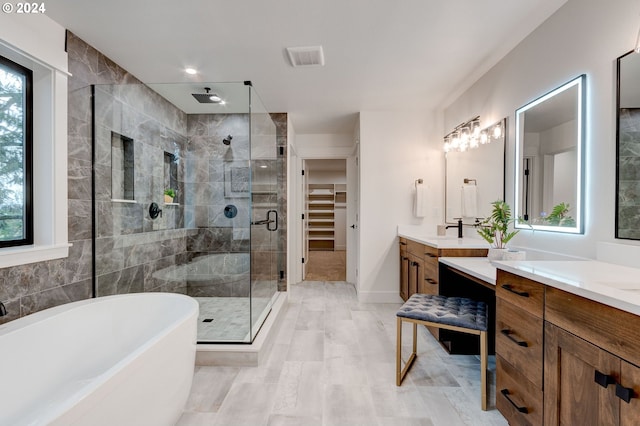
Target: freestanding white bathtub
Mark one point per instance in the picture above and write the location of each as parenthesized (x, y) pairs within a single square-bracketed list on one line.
[(116, 360)]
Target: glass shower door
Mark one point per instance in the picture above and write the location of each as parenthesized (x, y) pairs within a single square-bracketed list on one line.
[(264, 213)]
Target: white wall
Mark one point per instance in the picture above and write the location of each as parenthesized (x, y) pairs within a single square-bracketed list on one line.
[(584, 36), (396, 148), (324, 145)]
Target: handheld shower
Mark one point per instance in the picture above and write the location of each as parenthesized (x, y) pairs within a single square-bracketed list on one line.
[(227, 140)]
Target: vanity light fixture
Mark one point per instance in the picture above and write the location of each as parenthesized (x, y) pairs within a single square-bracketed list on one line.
[(470, 135)]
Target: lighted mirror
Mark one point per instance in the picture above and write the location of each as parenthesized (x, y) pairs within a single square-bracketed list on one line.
[(474, 177), (549, 160), (628, 148)]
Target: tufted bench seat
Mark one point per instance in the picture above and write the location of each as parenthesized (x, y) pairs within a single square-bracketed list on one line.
[(451, 313)]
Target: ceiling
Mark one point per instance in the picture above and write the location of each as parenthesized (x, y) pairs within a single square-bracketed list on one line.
[(380, 55)]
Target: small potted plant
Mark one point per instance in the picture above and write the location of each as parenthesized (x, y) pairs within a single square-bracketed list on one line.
[(495, 229), (169, 195)]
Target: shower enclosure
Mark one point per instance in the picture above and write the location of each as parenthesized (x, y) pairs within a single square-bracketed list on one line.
[(185, 199)]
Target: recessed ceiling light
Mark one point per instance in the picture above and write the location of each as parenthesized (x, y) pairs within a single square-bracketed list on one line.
[(191, 71), (215, 98)]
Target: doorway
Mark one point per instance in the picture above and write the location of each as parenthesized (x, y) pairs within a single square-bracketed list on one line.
[(325, 230)]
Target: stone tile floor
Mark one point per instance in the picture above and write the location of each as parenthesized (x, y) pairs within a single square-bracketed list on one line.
[(333, 363)]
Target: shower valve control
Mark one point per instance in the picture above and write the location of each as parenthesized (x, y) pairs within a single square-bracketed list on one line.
[(154, 211)]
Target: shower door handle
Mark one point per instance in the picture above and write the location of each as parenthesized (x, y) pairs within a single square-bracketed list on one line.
[(275, 221), (268, 221)]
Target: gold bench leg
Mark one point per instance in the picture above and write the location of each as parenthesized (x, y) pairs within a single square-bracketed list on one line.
[(401, 372), (483, 368)]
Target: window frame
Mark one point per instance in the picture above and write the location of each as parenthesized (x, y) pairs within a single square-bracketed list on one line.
[(28, 154)]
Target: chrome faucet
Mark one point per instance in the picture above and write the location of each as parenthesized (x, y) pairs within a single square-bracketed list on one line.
[(459, 226), (3, 310)]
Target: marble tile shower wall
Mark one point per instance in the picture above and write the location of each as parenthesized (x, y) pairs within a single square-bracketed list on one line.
[(130, 245), (29, 288), (629, 174)]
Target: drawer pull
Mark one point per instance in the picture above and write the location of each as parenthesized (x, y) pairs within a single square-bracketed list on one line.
[(603, 380), (513, 339), (431, 281), (505, 392), (623, 393), (431, 255), (508, 287), (402, 243)]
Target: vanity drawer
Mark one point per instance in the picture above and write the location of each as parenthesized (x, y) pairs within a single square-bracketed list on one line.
[(522, 292), (519, 400), (519, 340), (611, 329), (430, 253), (430, 284), (415, 248)]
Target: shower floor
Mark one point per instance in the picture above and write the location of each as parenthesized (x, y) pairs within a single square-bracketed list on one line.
[(230, 317)]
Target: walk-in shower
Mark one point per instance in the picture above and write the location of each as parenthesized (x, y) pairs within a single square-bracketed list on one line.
[(176, 210)]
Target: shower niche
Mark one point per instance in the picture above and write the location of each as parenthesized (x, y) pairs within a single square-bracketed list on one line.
[(122, 168)]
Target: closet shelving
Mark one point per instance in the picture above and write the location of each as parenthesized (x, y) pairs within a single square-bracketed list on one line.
[(326, 205), (321, 216)]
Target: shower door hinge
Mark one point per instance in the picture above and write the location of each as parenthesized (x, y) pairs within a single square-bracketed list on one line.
[(303, 260), (282, 150)]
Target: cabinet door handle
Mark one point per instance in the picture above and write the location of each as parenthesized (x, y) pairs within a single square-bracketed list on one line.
[(509, 288), (431, 255), (507, 333), (603, 380), (431, 281), (623, 393), (505, 392), (401, 243)]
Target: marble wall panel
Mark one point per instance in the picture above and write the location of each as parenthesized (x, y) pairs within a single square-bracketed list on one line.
[(628, 215)]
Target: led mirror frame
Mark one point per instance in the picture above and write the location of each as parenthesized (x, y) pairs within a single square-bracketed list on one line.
[(579, 217)]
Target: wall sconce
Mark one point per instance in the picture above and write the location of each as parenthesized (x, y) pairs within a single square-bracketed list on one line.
[(469, 135)]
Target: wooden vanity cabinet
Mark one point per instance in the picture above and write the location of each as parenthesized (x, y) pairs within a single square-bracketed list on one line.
[(411, 268), (562, 359), (591, 357), (419, 266), (404, 270), (519, 349)]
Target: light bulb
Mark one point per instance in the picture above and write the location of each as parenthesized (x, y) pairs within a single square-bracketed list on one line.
[(476, 128), (497, 131), (484, 137)]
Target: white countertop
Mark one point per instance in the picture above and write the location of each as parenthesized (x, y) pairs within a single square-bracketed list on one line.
[(479, 267), (606, 283), (445, 242)]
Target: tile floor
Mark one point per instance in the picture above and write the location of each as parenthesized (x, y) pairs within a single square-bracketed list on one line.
[(333, 363)]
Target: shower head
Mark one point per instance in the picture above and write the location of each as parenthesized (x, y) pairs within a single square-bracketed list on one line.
[(208, 98), (227, 140)]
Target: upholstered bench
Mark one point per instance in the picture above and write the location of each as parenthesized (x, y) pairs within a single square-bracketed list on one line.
[(451, 313)]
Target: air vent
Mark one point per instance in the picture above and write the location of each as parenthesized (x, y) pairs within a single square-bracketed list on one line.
[(308, 56)]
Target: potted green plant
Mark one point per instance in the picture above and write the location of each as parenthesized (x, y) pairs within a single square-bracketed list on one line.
[(169, 195), (495, 229)]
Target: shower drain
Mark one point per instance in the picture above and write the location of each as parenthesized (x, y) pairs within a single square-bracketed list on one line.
[(207, 320)]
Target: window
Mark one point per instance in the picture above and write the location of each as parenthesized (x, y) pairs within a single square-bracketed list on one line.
[(16, 135)]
